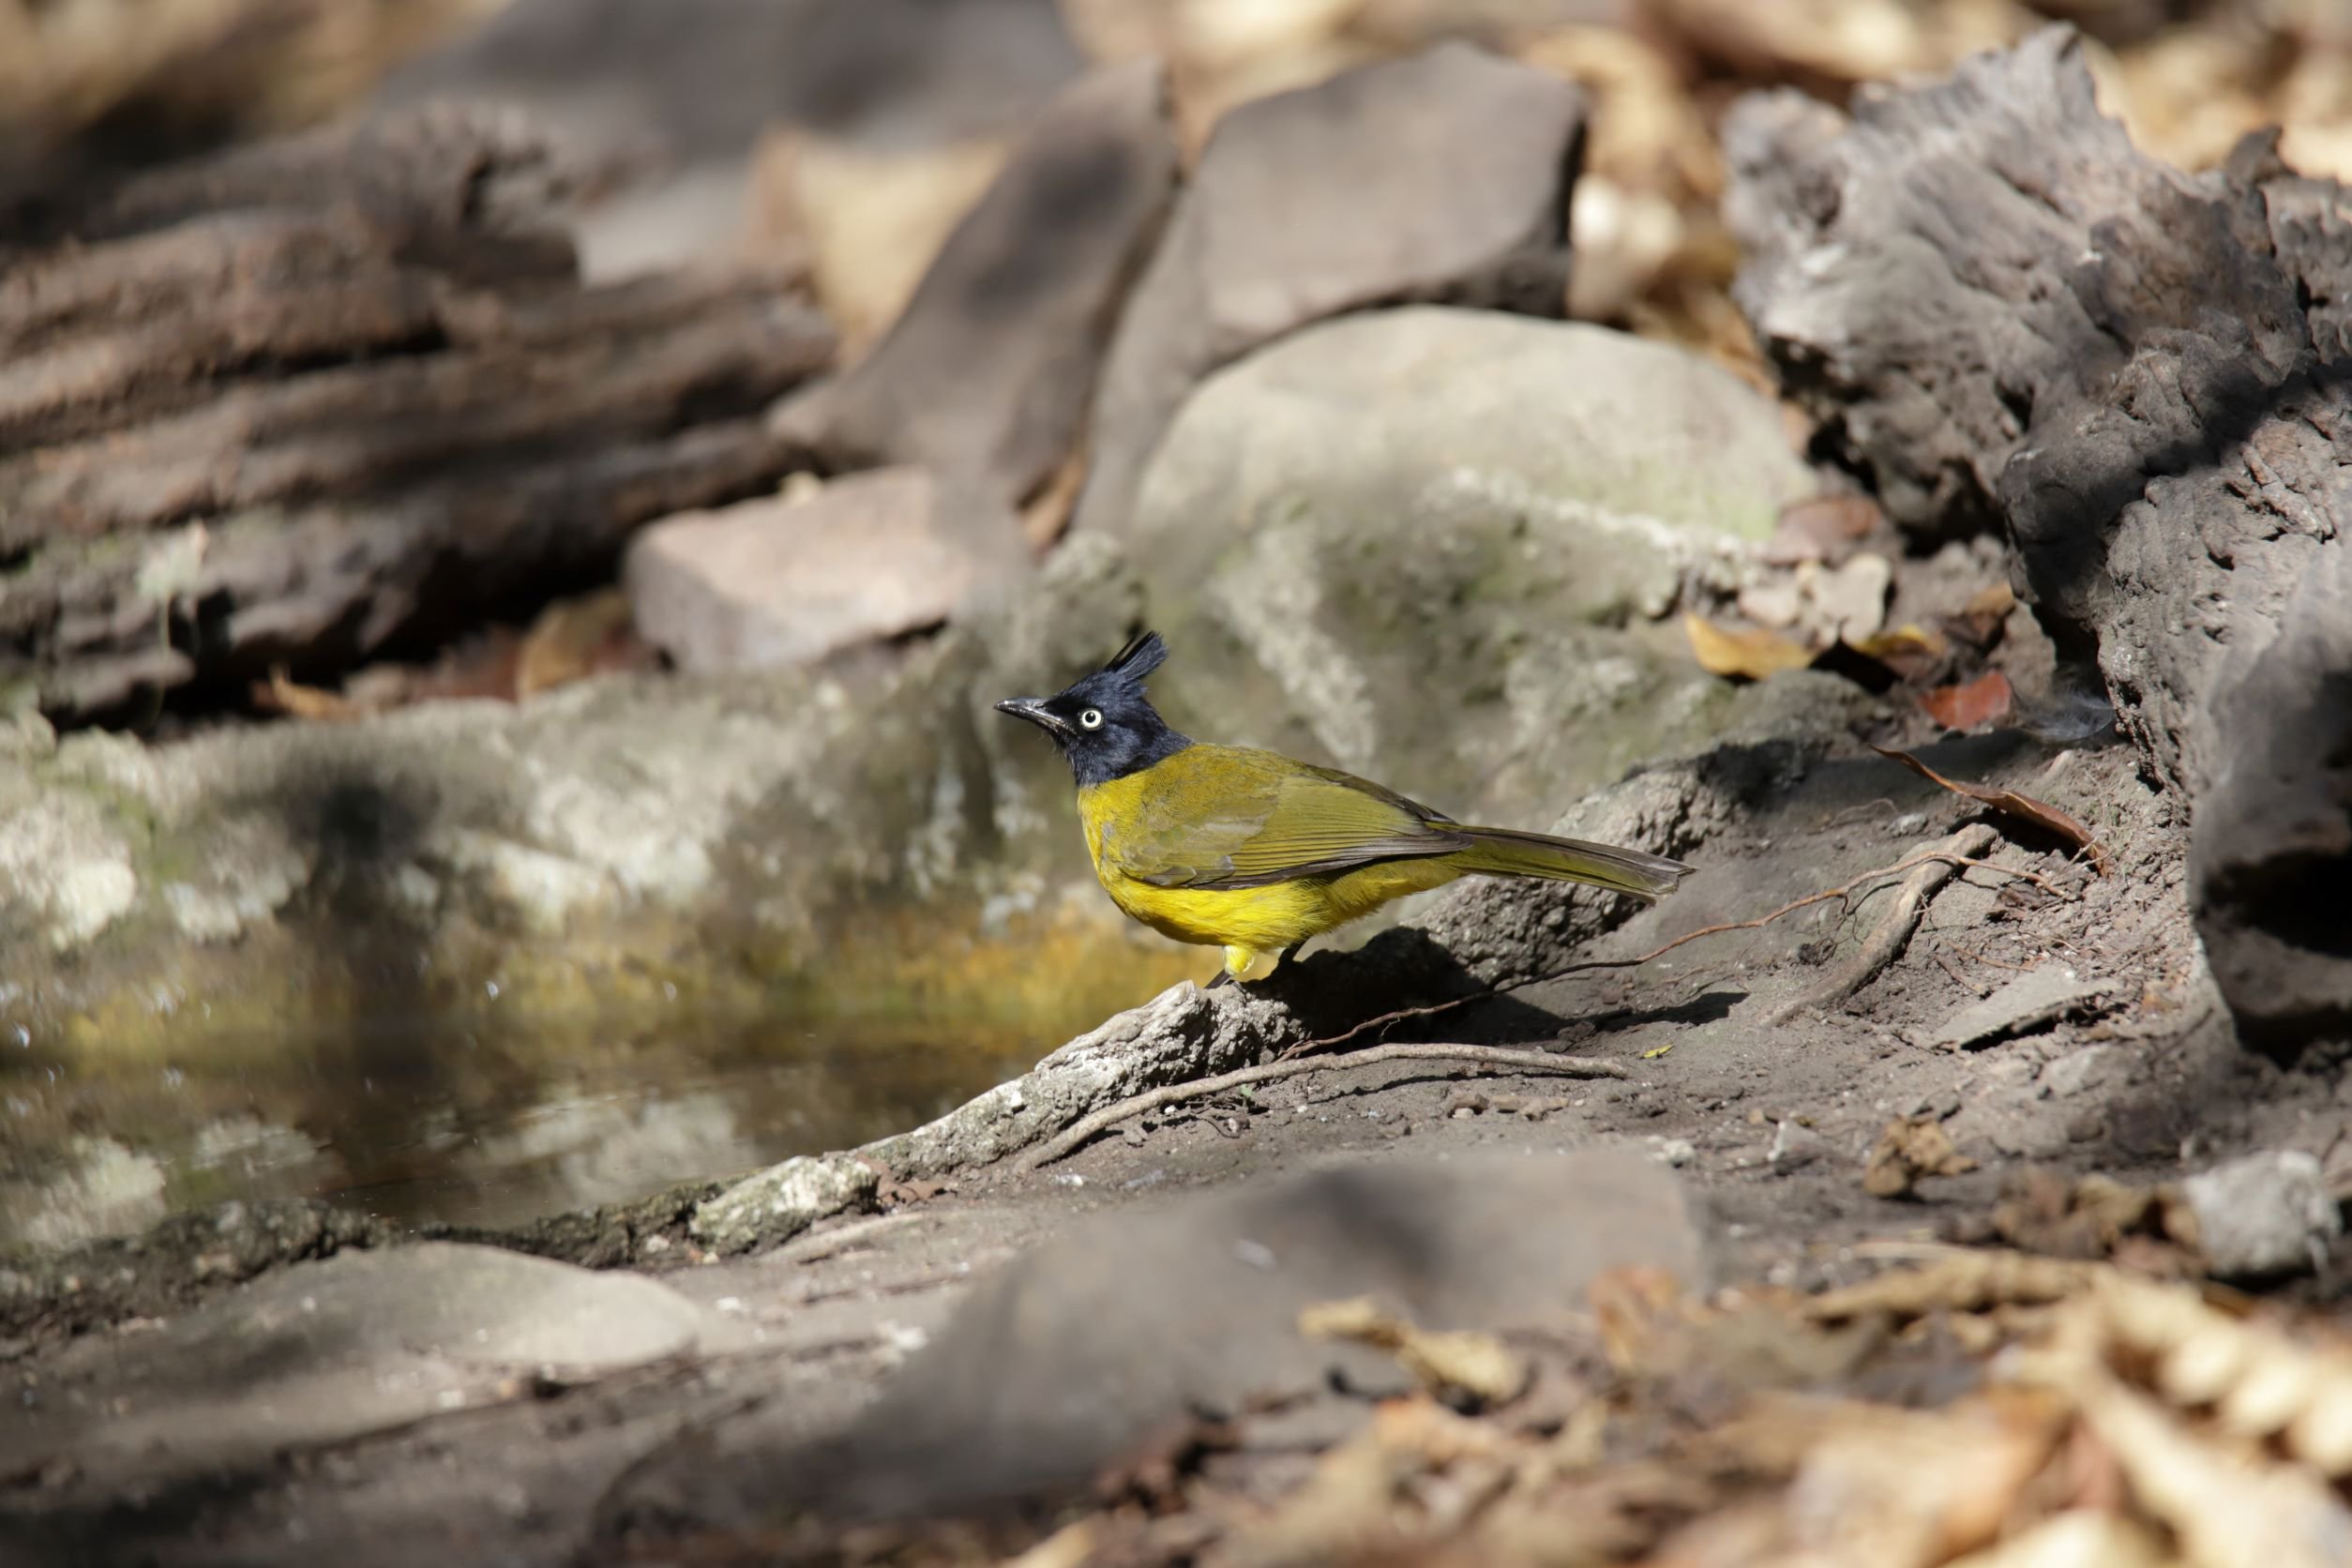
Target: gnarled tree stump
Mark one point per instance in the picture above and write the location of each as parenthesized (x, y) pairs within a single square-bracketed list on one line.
[(2003, 311)]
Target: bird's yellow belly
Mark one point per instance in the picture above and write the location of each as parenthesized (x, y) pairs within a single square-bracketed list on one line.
[(1272, 918)]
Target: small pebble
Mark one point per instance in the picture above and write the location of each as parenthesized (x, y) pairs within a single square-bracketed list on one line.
[(2264, 1216), (1795, 1144)]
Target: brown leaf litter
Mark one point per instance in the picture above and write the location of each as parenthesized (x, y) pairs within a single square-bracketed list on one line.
[(571, 640), (1909, 1151), (1978, 1409), (1475, 1368), (1970, 704)]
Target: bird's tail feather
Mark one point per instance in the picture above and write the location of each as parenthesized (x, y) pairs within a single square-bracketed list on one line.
[(1502, 851)]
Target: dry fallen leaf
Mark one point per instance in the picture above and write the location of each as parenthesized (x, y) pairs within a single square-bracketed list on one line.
[(1897, 1488), (483, 666), (1648, 131), (2226, 1505), (1070, 1546), (1991, 603), (2078, 1538), (1906, 641), (1973, 704), (574, 639), (2096, 1217), (1857, 41), (871, 219), (1642, 1316), (1821, 528), (1342, 1511), (2041, 813), (1045, 514), (1911, 1149), (895, 1194), (1477, 1364), (282, 694), (1985, 618), (1961, 1280), (1748, 655), (2257, 1383)]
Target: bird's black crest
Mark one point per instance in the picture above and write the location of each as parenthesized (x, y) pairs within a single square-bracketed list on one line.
[(1138, 659)]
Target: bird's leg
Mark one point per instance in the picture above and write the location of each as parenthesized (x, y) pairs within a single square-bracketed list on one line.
[(1224, 977)]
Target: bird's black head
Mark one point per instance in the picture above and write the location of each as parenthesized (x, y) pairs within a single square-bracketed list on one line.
[(1104, 724)]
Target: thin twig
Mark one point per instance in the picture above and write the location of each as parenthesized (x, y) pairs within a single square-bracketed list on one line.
[(1944, 960), (1975, 957), (1843, 893), (2044, 883), (842, 1238), (1888, 939), (1089, 1125)]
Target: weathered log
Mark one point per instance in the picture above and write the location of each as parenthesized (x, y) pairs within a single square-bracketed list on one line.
[(370, 374), (457, 171), (2003, 311)]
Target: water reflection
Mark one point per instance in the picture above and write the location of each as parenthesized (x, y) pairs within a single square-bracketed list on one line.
[(103, 1188), (472, 1120)]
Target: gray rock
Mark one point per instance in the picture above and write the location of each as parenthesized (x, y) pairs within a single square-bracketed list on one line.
[(1426, 545), (161, 1268), (64, 868), (1443, 176), (2038, 997), (324, 1352), (25, 735), (1503, 932), (1125, 1323), (783, 1200), (2085, 1068), (777, 582), (2264, 1215), (1795, 1145), (986, 375), (2270, 848)]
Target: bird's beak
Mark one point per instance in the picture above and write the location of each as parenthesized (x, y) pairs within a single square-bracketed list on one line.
[(1034, 710)]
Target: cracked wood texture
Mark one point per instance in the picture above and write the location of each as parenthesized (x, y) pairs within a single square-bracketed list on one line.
[(2006, 315), (363, 364)]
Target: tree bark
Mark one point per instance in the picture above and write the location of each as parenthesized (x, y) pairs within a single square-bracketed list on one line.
[(363, 364)]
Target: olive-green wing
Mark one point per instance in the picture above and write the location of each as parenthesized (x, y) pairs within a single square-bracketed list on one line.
[(1217, 818)]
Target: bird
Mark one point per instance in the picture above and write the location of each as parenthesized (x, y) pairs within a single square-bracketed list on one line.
[(1250, 851)]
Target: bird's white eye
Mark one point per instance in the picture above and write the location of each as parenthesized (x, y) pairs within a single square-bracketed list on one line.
[(1090, 719)]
